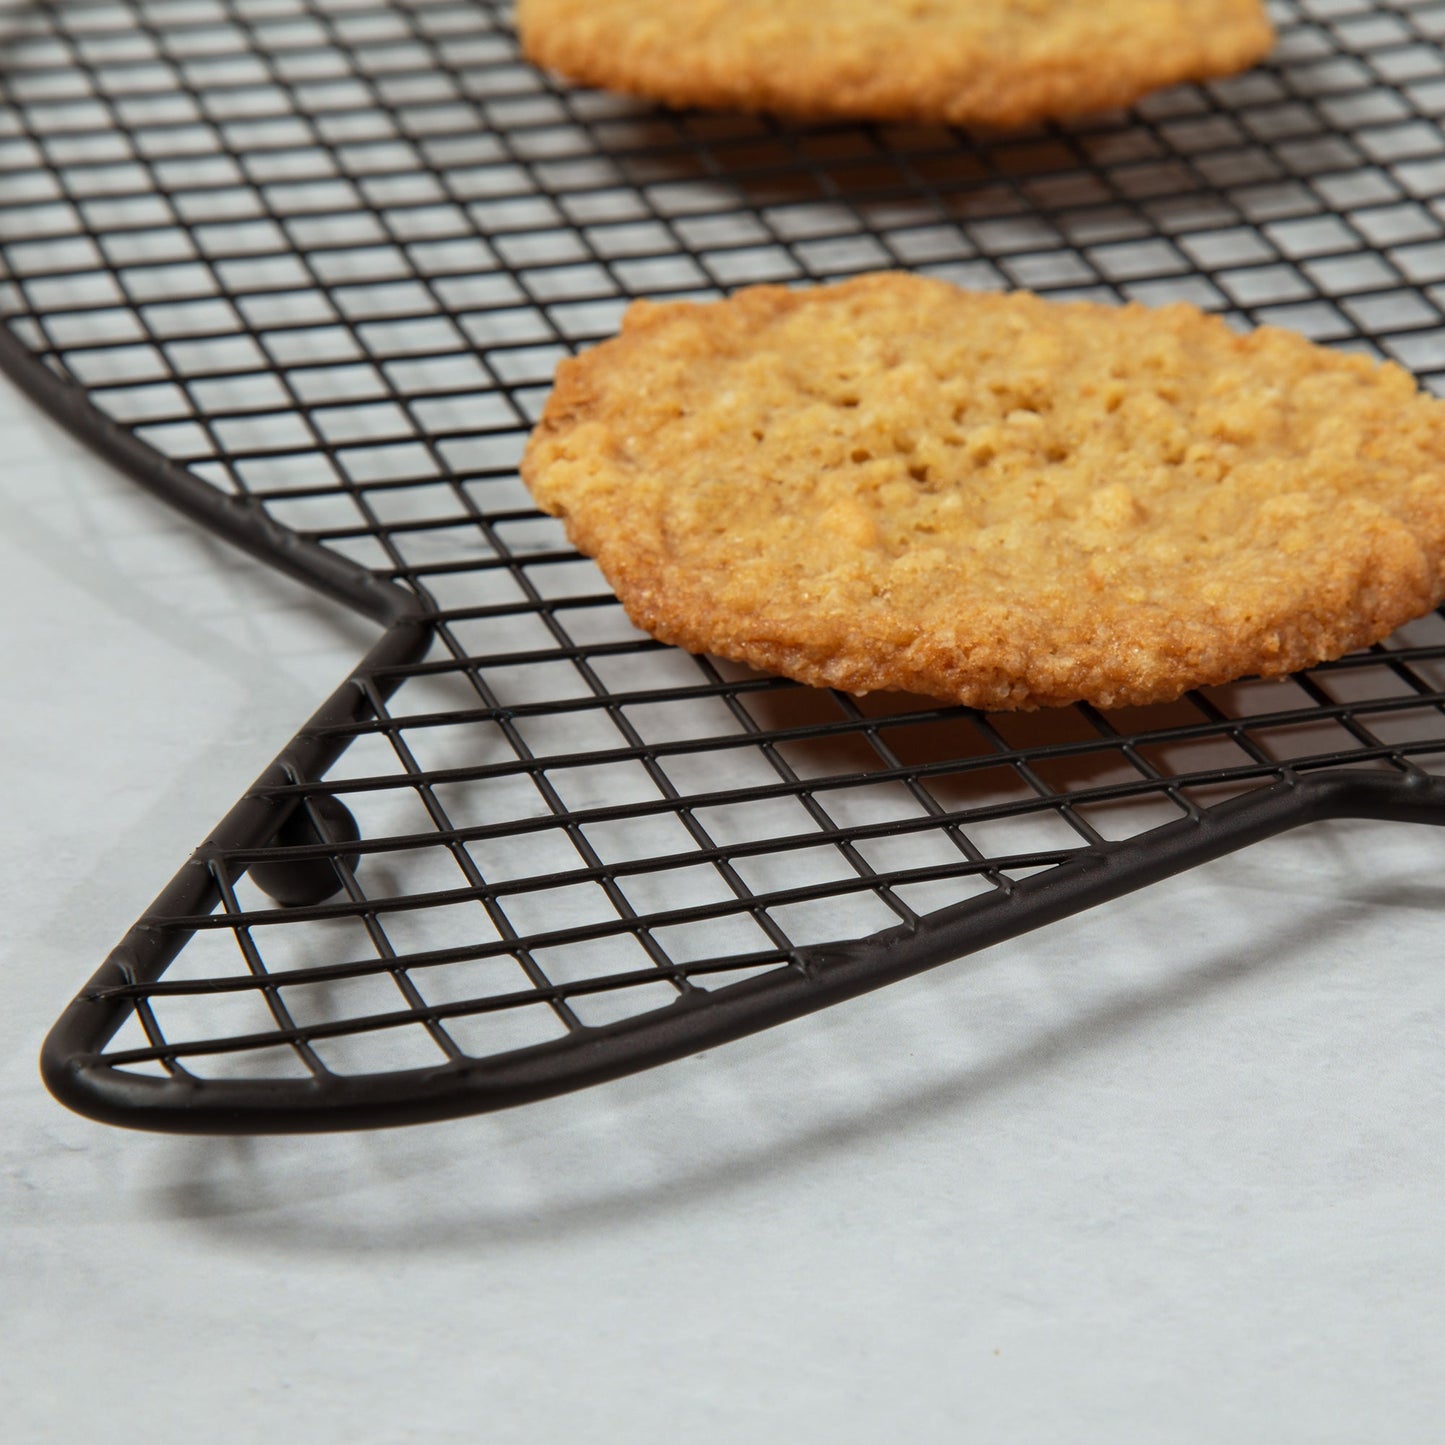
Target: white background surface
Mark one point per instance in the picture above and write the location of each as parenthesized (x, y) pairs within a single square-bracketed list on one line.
[(1172, 1171)]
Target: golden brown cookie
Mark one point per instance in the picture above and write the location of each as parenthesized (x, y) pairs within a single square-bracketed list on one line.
[(1008, 502), (966, 62)]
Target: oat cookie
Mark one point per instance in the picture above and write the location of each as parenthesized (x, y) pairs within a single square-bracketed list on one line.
[(1012, 503), (966, 62)]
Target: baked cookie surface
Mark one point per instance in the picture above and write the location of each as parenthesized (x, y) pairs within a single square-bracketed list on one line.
[(966, 62), (891, 483)]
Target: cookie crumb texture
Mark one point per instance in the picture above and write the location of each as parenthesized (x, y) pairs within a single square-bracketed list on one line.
[(990, 63), (1011, 503)]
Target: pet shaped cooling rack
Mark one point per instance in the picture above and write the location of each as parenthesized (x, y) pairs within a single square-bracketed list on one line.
[(305, 267)]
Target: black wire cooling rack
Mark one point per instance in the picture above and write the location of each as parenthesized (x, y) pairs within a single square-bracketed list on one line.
[(305, 267)]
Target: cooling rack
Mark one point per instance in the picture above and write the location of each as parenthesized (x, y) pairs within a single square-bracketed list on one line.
[(305, 267)]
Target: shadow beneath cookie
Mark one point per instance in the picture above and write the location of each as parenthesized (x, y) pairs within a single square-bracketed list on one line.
[(752, 198), (966, 760)]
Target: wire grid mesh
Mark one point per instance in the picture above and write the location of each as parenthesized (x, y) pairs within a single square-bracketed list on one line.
[(322, 256)]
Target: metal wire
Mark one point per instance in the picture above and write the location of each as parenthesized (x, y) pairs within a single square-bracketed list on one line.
[(306, 267)]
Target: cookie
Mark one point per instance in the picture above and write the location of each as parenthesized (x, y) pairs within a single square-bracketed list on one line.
[(891, 483), (994, 63)]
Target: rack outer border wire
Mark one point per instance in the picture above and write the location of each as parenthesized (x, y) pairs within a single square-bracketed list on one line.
[(77, 1073)]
